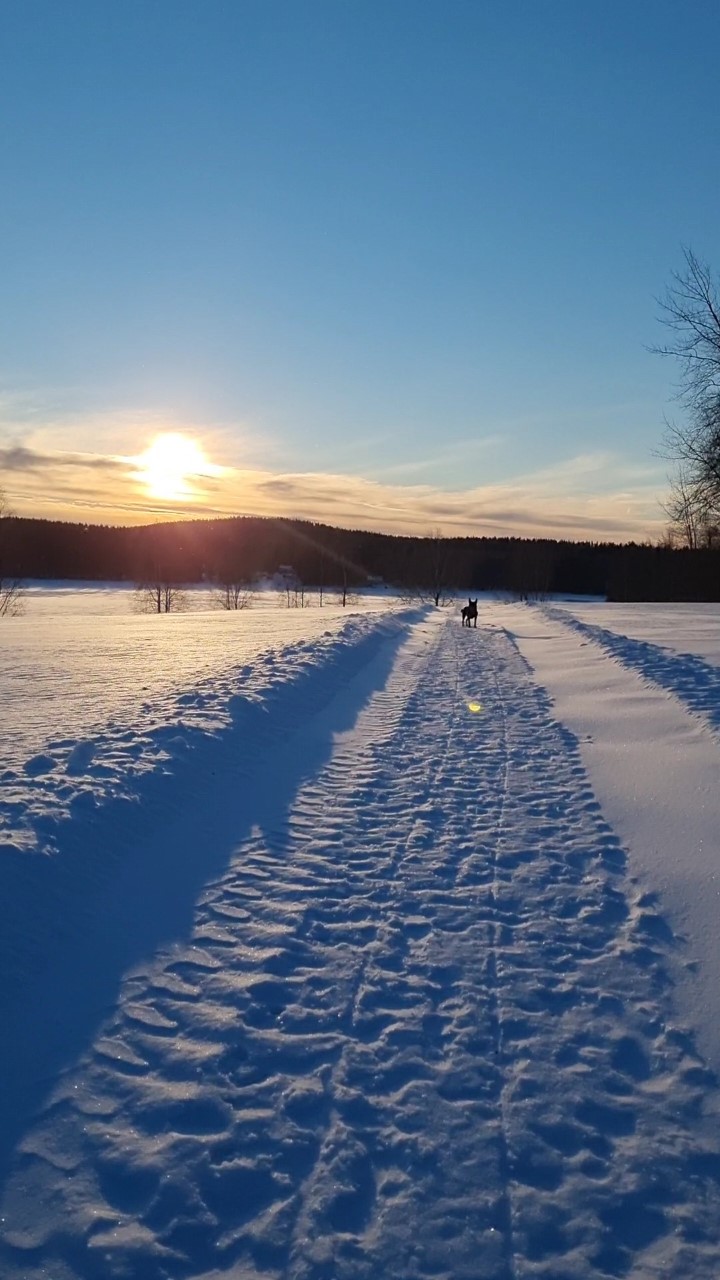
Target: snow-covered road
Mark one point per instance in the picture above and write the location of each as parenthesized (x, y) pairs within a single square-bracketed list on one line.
[(419, 1022)]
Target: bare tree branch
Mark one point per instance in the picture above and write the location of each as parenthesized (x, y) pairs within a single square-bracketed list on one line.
[(12, 589), (233, 595), (691, 310), (158, 595)]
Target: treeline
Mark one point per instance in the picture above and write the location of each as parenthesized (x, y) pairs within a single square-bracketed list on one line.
[(245, 548)]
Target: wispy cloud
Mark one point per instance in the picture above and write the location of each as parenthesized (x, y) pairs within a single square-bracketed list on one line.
[(20, 458), (63, 421), (591, 496)]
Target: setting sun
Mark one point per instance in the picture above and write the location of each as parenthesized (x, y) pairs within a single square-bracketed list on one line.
[(170, 463)]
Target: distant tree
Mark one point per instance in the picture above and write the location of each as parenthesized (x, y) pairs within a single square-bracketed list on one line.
[(691, 520), (429, 575), (233, 595), (12, 597), (12, 589), (322, 564), (346, 593), (232, 587), (158, 595), (439, 576), (690, 310), (530, 569), (290, 587)]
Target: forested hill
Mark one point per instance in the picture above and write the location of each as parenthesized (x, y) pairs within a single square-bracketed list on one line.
[(245, 547)]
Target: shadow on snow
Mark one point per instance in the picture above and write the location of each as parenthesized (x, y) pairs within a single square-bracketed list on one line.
[(124, 880)]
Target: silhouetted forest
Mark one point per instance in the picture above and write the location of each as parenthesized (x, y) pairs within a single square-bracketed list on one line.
[(246, 547)]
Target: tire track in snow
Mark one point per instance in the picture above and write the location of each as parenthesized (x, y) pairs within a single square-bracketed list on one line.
[(495, 1011), (429, 783), (595, 957), (688, 677), (334, 1079)]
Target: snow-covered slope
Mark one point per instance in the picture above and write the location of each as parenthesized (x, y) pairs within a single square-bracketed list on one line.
[(358, 981), (90, 703)]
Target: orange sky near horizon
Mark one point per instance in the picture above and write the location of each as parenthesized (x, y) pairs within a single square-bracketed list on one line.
[(174, 477)]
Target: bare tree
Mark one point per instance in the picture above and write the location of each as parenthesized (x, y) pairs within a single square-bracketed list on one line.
[(12, 592), (158, 595), (12, 589), (321, 578), (233, 595), (439, 580), (687, 513), (429, 575), (690, 310), (291, 587)]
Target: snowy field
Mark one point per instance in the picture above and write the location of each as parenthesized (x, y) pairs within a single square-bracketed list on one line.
[(349, 944), (94, 693)]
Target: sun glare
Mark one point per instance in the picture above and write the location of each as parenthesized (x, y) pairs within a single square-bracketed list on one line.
[(170, 464)]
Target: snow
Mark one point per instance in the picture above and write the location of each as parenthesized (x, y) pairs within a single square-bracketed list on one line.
[(654, 770), (124, 692), (358, 944), (682, 628)]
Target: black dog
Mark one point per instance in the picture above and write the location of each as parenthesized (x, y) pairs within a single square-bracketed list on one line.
[(469, 613)]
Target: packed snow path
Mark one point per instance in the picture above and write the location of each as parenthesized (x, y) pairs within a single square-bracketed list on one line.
[(421, 1028)]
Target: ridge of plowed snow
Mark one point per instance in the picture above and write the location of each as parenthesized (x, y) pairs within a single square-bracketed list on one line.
[(132, 695), (655, 767), (692, 679)]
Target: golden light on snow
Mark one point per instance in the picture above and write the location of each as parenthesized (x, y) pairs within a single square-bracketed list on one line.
[(170, 464), (474, 707)]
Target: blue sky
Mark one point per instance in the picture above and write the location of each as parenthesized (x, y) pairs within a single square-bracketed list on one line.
[(390, 262)]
